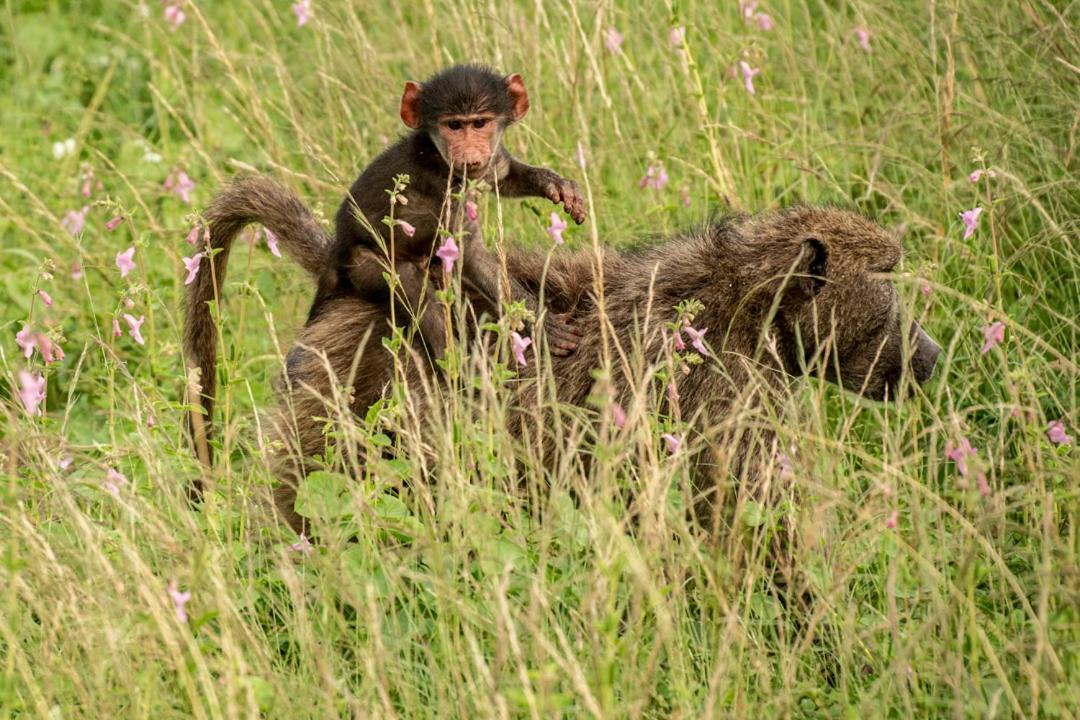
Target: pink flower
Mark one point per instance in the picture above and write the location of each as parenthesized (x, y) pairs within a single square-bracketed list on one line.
[(783, 462), (303, 12), (134, 327), (926, 289), (180, 600), (983, 485), (191, 264), (618, 415), (863, 36), (181, 184), (656, 177), (76, 271), (88, 181), (684, 195), (129, 303), (125, 261), (993, 334), (302, 546), (613, 40), (45, 298), (272, 243), (75, 220), (764, 21), (116, 328), (975, 176), (970, 219), (113, 482), (556, 229), (518, 346), (26, 340), (65, 462), (696, 338), (111, 225), (471, 211), (49, 350), (672, 392), (193, 236), (31, 391), (960, 454), (894, 517), (677, 36), (748, 74), (448, 253), (150, 421), (1056, 433), (174, 16), (747, 8), (673, 442), (407, 228), (680, 344)]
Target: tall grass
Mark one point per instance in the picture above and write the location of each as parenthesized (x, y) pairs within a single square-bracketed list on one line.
[(476, 583)]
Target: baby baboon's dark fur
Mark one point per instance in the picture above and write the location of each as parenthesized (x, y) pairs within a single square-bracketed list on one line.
[(777, 288)]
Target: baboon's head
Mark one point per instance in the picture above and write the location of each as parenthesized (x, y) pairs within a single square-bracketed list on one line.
[(840, 306)]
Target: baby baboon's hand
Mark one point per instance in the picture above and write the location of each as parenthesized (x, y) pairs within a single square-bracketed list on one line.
[(559, 190), (563, 336)]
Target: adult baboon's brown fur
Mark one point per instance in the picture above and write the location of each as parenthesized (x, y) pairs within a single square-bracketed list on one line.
[(781, 291)]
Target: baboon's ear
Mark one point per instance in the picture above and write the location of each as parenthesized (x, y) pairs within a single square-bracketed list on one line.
[(410, 105), (515, 88), (813, 262)]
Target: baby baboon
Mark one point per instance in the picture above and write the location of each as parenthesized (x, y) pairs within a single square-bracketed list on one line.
[(782, 292)]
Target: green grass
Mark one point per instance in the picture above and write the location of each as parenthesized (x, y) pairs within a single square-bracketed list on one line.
[(488, 588)]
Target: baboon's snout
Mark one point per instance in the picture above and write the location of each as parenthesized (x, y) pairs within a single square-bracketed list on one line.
[(924, 355)]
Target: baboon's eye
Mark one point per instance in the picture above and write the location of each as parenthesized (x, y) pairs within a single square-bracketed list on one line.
[(454, 124), (479, 123)]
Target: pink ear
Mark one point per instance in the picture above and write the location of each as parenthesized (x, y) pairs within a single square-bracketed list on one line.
[(515, 87), (410, 105)]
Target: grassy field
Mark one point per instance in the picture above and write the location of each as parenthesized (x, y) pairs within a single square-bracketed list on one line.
[(489, 588)]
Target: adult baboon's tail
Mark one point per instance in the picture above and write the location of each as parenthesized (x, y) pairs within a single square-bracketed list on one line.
[(247, 200)]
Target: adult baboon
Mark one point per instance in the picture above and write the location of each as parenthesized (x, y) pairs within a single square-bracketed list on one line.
[(781, 292)]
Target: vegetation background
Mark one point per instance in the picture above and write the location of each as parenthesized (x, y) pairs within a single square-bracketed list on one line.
[(907, 591)]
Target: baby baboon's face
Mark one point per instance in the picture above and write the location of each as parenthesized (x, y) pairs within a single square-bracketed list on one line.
[(855, 318)]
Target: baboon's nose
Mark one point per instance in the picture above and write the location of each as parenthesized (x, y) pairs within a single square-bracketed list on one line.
[(924, 356)]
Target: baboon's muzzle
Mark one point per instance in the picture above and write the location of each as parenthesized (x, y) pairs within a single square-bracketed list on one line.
[(924, 355)]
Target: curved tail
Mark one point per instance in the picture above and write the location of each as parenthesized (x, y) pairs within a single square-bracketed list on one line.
[(245, 201)]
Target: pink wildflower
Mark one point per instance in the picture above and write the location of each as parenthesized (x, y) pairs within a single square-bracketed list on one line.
[(970, 219), (618, 415), (684, 195), (894, 518), (975, 176), (748, 74), (764, 21), (613, 40), (75, 220), (1056, 433), (448, 253), (31, 391), (134, 327), (783, 462), (193, 236), (556, 229), (114, 222), (191, 264), (672, 392), (303, 12), (272, 243), (174, 16), (993, 334), (926, 289), (116, 328), (960, 455), (76, 271), (179, 183), (45, 298), (407, 228), (302, 546), (180, 600), (471, 211), (747, 8), (680, 344), (113, 482), (983, 485), (696, 338), (863, 36), (25, 339), (518, 346), (673, 442), (656, 177), (125, 261), (677, 36)]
